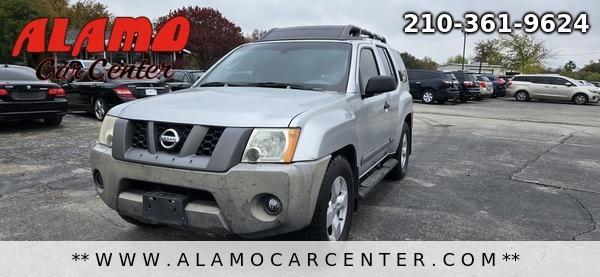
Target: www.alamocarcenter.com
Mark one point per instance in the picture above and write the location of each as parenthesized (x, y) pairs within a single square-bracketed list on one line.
[(310, 259)]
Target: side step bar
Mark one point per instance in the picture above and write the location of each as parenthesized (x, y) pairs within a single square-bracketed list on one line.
[(367, 184)]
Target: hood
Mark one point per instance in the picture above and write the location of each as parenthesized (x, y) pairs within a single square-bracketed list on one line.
[(226, 106)]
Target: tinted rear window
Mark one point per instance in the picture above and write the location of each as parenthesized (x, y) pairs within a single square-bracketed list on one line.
[(12, 74), (449, 76), (470, 77)]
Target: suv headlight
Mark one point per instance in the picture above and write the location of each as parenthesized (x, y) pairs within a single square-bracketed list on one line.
[(268, 145), (106, 131)]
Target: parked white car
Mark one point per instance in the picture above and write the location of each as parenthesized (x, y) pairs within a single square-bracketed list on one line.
[(552, 87)]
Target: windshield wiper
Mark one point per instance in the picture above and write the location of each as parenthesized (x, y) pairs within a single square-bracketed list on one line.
[(280, 85), (215, 84)]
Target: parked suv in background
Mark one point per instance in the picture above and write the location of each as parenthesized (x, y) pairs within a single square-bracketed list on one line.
[(552, 87), (500, 85), (431, 86), (468, 84), (264, 144)]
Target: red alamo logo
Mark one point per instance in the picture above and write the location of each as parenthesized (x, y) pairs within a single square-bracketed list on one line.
[(127, 34)]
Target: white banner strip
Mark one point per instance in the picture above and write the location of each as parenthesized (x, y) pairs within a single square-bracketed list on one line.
[(299, 258)]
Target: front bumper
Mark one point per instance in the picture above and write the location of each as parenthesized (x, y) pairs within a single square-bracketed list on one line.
[(32, 109), (237, 193)]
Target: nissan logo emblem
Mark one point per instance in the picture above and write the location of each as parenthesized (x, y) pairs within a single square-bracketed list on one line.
[(169, 139)]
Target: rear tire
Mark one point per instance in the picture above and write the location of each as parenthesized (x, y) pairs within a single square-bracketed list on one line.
[(333, 212), (580, 99), (428, 97), (100, 108), (522, 96), (402, 155), (53, 121)]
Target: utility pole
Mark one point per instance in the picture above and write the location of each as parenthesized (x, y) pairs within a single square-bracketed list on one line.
[(464, 48)]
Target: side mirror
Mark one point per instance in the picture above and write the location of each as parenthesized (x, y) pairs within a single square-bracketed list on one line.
[(379, 84), (568, 84)]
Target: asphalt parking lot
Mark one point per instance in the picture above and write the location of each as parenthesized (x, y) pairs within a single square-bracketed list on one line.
[(490, 170)]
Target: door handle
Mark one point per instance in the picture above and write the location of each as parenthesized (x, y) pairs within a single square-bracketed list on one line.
[(386, 106)]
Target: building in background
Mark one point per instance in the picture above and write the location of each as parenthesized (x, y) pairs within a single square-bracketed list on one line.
[(474, 67)]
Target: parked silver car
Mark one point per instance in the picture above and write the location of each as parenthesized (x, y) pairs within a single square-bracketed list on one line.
[(552, 87), (281, 135)]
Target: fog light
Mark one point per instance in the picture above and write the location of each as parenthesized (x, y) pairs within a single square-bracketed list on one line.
[(272, 205)]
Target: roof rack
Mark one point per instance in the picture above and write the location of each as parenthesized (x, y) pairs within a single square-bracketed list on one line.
[(334, 32)]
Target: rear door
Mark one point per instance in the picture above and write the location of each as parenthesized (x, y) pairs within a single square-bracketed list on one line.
[(415, 80), (393, 97)]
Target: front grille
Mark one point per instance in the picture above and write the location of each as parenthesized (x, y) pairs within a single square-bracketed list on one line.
[(139, 135), (207, 147), (183, 131)]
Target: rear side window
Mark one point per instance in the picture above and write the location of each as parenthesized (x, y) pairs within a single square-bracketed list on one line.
[(448, 76), (10, 74), (387, 62), (401, 71), (522, 79), (367, 67)]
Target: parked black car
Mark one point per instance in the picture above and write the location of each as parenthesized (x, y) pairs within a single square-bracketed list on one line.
[(182, 79), (24, 96), (468, 84), (431, 86), (500, 85), (97, 97)]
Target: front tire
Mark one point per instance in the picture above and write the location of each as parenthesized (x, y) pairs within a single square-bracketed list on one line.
[(580, 99), (100, 108), (428, 97), (333, 213), (402, 155)]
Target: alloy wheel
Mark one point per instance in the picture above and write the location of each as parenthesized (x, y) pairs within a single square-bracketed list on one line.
[(404, 153), (580, 99), (337, 209), (427, 97), (99, 109)]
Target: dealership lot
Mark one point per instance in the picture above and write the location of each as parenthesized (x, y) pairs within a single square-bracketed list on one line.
[(490, 170)]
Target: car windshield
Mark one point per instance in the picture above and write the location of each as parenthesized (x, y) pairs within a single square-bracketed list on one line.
[(88, 64), (470, 77), (483, 78), (9, 74), (301, 65)]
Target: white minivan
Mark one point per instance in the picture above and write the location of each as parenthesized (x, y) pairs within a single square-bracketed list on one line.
[(552, 87)]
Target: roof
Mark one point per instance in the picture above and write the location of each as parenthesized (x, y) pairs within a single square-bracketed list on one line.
[(329, 32)]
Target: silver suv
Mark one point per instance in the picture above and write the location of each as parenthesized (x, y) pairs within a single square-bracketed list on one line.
[(282, 135), (552, 87)]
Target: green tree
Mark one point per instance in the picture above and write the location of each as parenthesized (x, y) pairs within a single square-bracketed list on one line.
[(488, 51), (13, 16), (523, 53), (82, 11), (570, 66), (457, 59), (412, 62)]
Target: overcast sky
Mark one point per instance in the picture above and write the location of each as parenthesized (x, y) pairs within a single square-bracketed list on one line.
[(386, 17)]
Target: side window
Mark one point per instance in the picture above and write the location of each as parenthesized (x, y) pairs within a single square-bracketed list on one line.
[(401, 72), (560, 81), (367, 67), (388, 66), (178, 76)]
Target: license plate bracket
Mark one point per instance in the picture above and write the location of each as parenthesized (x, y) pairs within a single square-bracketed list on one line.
[(163, 207)]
